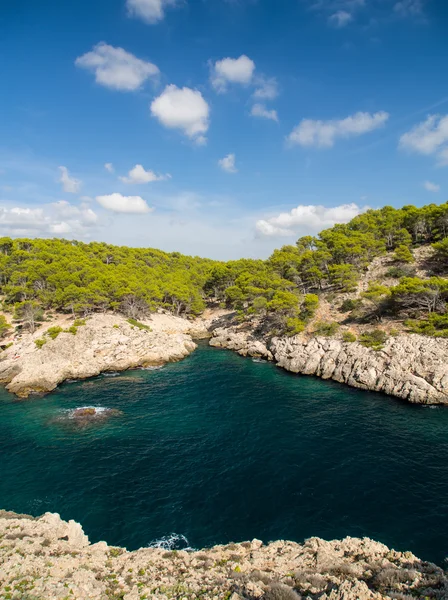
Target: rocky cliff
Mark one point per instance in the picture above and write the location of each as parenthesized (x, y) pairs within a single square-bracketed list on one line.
[(105, 343), (411, 367), (48, 558)]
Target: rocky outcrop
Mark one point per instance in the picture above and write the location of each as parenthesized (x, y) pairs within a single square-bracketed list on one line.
[(411, 367), (50, 558), (104, 343)]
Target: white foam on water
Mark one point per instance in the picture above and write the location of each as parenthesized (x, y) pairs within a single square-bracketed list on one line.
[(111, 374), (70, 412), (259, 360), (173, 541), (151, 368)]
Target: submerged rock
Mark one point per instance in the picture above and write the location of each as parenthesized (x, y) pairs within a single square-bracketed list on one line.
[(85, 416)]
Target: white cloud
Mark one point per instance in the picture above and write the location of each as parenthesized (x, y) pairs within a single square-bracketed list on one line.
[(228, 163), (305, 219), (232, 70), (340, 19), (267, 89), (149, 11), (117, 69), (428, 137), (409, 8), (109, 167), (69, 184), (58, 218), (260, 110), (184, 109), (323, 134), (124, 204), (139, 175), (431, 187)]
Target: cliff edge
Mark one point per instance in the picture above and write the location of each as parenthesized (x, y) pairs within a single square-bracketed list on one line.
[(50, 558)]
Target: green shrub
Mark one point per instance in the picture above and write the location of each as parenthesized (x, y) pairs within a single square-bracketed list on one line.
[(73, 330), (434, 325), (79, 322), (116, 326), (326, 328), (4, 326), (403, 254), (348, 337), (294, 326), (136, 323), (41, 342), (401, 271), (53, 332), (374, 339), (350, 304)]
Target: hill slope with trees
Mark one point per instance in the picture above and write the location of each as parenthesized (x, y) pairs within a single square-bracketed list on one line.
[(285, 291)]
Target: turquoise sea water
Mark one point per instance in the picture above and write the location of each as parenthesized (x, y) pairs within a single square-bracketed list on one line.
[(218, 448)]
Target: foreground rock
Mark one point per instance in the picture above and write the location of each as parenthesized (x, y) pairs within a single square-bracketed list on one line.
[(104, 343), (411, 367), (49, 558)]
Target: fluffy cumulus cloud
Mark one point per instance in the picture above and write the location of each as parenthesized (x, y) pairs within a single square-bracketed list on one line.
[(69, 184), (340, 19), (430, 137), (56, 219), (260, 110), (149, 11), (323, 134), (232, 70), (228, 163), (139, 175), (183, 109), (431, 187), (306, 219), (109, 167), (124, 204), (266, 88), (117, 69)]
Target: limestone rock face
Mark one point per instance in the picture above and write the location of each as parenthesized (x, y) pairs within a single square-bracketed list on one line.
[(243, 342), (411, 367), (53, 559), (104, 343)]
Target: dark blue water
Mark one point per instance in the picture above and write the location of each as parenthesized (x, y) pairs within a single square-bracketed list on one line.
[(219, 448)]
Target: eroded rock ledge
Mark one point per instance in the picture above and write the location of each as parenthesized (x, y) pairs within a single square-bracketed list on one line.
[(105, 343), (49, 558), (411, 367)]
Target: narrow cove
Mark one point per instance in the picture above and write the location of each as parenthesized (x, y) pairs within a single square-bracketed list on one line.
[(218, 448)]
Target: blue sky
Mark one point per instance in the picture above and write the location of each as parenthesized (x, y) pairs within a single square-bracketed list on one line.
[(228, 127)]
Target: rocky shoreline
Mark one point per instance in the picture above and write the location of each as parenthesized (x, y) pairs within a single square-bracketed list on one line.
[(410, 367), (105, 343), (47, 557)]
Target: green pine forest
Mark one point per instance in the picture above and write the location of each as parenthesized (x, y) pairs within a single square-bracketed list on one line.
[(42, 275)]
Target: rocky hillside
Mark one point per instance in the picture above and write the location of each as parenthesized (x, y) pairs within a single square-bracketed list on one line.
[(47, 558)]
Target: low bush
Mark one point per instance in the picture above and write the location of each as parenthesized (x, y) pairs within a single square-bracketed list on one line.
[(350, 304), (79, 322), (374, 339), (41, 342), (326, 328), (136, 323), (73, 329), (294, 326), (434, 325), (278, 591), (348, 337), (400, 271), (53, 332)]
